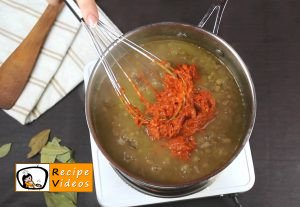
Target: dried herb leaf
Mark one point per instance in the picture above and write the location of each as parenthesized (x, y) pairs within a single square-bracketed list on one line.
[(37, 142), (4, 149), (72, 196), (45, 158), (71, 160), (60, 199), (55, 141), (53, 150), (64, 157)]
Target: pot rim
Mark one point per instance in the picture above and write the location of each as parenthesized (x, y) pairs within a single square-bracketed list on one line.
[(200, 179)]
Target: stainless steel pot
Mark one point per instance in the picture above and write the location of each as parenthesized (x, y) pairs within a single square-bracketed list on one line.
[(212, 43)]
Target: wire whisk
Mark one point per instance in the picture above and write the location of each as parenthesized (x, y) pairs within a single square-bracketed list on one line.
[(102, 34)]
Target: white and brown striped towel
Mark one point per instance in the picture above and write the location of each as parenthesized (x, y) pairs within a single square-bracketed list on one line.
[(59, 68)]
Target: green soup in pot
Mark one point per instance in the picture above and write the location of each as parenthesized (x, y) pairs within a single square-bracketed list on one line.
[(130, 146)]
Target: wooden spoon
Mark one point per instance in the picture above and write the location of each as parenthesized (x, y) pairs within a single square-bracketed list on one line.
[(16, 70)]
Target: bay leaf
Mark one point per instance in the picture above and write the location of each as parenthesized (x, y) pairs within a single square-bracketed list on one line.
[(71, 160), (56, 141), (46, 158), (71, 196), (49, 153), (53, 149), (4, 150), (37, 142), (64, 157), (59, 200)]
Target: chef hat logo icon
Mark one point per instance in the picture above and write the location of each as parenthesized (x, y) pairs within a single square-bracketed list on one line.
[(32, 178)]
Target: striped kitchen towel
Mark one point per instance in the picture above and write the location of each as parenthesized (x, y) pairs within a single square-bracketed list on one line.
[(59, 68)]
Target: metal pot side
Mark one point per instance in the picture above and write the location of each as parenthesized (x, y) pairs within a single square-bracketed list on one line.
[(215, 45)]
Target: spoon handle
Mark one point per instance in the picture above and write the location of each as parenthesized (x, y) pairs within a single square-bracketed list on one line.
[(16, 70)]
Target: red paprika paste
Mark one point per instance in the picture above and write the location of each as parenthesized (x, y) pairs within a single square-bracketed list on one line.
[(179, 111)]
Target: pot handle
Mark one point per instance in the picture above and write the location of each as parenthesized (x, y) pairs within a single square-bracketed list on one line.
[(218, 6)]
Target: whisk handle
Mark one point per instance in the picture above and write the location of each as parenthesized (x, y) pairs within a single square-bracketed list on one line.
[(73, 6), (218, 6)]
